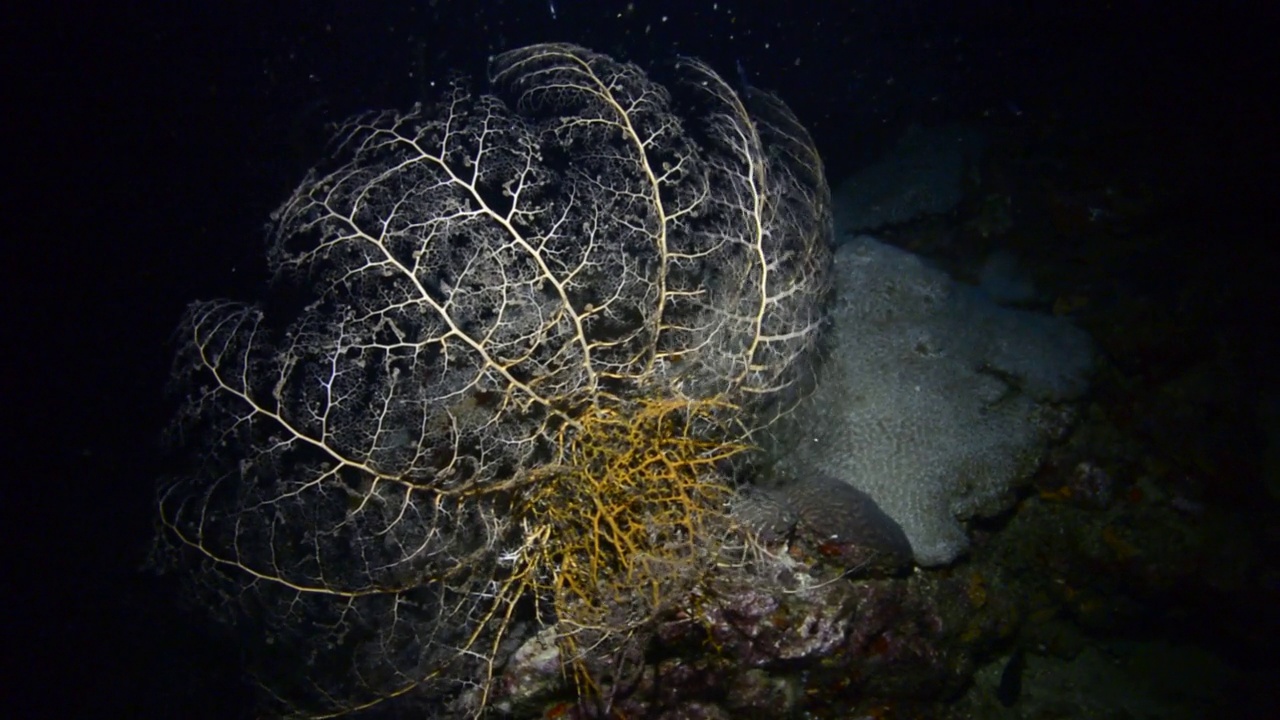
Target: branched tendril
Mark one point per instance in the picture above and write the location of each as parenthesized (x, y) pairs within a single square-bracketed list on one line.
[(541, 321)]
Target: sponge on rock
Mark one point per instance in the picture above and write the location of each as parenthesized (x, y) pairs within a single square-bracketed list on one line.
[(932, 400)]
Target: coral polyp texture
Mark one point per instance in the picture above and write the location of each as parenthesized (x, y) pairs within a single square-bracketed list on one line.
[(536, 327), (934, 401)]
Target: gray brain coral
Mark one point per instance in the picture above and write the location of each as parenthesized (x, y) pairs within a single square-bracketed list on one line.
[(931, 398)]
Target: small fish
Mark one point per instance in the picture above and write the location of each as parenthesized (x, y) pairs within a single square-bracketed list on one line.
[(1010, 687)]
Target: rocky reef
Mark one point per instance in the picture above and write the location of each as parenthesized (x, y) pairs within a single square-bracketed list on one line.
[(933, 400)]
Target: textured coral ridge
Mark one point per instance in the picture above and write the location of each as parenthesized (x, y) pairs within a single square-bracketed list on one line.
[(922, 175), (933, 400), (542, 324)]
